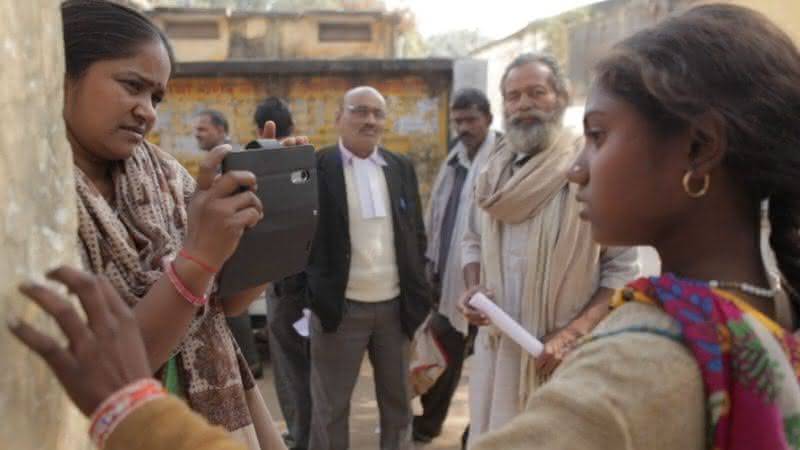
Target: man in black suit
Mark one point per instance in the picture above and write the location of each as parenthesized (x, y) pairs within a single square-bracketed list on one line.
[(366, 275)]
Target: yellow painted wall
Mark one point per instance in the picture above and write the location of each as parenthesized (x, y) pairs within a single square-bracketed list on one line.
[(299, 39), (416, 125), (278, 37), (199, 49)]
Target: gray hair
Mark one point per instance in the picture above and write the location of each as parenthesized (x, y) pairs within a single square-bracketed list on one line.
[(557, 79)]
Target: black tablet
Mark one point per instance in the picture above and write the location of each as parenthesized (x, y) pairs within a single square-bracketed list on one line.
[(279, 245)]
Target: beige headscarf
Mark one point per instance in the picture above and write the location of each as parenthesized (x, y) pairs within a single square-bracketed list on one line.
[(127, 244), (561, 254)]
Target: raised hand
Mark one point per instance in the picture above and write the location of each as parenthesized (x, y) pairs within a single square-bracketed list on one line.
[(105, 353), (223, 206)]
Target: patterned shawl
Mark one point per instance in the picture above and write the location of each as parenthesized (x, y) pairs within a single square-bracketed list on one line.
[(750, 365), (127, 244)]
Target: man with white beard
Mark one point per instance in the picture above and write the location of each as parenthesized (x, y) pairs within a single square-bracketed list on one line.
[(526, 247)]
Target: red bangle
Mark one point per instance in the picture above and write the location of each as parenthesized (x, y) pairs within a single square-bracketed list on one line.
[(169, 269), (120, 405), (197, 261)]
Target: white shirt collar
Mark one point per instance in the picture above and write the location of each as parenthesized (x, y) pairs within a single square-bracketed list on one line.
[(347, 155)]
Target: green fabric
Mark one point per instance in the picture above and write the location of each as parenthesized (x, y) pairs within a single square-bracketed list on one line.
[(171, 378)]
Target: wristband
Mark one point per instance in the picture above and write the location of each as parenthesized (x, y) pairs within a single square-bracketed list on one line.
[(169, 269), (120, 405), (197, 261)]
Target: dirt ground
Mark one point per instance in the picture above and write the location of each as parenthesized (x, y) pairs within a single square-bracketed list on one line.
[(364, 412)]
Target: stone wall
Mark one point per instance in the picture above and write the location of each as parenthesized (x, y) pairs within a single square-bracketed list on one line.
[(37, 219)]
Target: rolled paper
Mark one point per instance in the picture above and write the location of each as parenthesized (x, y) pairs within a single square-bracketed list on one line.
[(506, 324)]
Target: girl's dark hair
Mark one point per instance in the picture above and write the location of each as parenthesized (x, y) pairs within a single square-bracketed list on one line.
[(96, 30), (735, 64)]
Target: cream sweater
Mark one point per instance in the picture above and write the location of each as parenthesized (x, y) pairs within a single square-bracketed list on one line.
[(629, 391), (373, 263)]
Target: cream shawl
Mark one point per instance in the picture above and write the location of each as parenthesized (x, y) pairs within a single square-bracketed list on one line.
[(562, 257)]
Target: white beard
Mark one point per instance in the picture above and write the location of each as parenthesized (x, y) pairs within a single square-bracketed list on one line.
[(531, 139)]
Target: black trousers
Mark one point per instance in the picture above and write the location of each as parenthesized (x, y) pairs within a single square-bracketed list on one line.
[(243, 333), (291, 361), (436, 402)]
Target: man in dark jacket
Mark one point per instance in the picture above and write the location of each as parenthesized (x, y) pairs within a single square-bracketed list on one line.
[(366, 275)]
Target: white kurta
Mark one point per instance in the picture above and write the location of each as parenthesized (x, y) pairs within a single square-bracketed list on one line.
[(494, 386)]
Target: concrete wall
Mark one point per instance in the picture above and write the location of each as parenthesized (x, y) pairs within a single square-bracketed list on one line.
[(299, 38), (199, 49), (470, 73), (245, 35), (417, 94), (576, 38), (609, 22), (579, 38), (38, 226)]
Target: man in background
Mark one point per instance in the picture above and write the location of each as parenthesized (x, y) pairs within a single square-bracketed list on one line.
[(286, 298), (366, 275), (445, 223), (526, 244), (210, 129)]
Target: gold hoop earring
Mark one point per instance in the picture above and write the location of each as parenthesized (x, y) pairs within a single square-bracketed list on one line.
[(687, 178)]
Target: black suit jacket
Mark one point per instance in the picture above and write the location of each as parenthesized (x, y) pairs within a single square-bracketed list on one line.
[(329, 263)]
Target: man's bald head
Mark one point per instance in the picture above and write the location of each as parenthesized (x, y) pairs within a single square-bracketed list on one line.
[(361, 90), (360, 120)]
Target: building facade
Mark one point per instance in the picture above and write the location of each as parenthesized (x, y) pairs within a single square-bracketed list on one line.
[(199, 34)]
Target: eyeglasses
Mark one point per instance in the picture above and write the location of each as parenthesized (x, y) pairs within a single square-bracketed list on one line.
[(364, 111)]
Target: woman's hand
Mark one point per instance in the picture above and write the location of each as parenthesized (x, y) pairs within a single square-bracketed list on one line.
[(105, 354), (268, 132), (223, 206)]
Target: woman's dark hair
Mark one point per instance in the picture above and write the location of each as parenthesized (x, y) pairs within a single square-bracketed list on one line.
[(96, 30), (735, 64), (276, 110)]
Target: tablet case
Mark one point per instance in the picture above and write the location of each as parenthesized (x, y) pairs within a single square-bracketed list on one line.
[(278, 245)]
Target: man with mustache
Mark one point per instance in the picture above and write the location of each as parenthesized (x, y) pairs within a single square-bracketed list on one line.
[(365, 275), (448, 211), (526, 247)]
